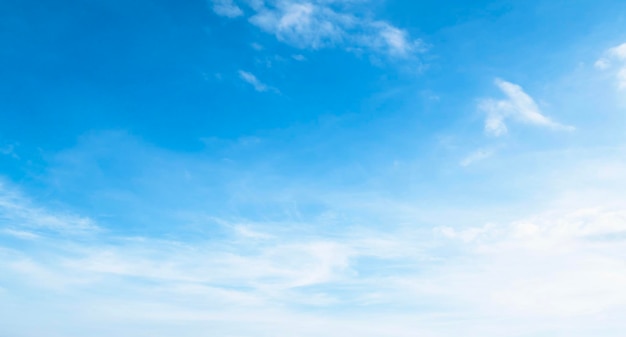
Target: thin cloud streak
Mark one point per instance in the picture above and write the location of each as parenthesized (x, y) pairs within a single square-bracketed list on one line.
[(546, 266), (213, 283), (255, 82), (21, 217), (476, 156)]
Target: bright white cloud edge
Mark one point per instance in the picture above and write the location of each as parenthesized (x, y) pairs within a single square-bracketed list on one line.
[(322, 24), (255, 82), (518, 106)]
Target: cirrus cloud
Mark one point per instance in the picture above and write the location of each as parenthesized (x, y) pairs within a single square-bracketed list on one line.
[(324, 24), (518, 106)]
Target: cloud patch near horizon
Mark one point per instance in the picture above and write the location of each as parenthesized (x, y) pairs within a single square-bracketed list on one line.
[(559, 265), (20, 218)]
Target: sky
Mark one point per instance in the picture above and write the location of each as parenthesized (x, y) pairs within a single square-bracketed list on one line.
[(252, 168)]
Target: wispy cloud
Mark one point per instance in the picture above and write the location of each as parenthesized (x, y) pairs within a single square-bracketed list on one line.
[(615, 58), (226, 8), (560, 266), (377, 258), (19, 216), (21, 234), (255, 82), (476, 156), (518, 106), (323, 24)]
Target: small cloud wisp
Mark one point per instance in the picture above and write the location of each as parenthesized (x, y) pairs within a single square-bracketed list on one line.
[(517, 106)]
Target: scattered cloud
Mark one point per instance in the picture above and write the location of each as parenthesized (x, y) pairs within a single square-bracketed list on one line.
[(323, 24), (557, 266), (19, 215), (255, 82), (300, 24), (476, 156), (615, 58), (226, 8), (518, 106)]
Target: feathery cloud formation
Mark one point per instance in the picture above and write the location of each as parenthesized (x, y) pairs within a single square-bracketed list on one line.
[(518, 106), (323, 24), (561, 266), (255, 82)]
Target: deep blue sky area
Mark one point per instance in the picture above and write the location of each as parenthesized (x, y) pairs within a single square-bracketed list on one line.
[(163, 70)]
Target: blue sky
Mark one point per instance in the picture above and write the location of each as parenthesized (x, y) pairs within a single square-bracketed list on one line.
[(312, 167)]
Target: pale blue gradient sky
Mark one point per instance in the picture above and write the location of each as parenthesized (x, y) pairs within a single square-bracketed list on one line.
[(314, 167)]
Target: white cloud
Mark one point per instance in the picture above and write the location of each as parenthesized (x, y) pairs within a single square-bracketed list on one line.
[(18, 213), (304, 25), (21, 234), (385, 272), (246, 232), (255, 82), (618, 52), (323, 24), (615, 58), (226, 8), (557, 264), (602, 64), (476, 156), (518, 106), (391, 40)]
